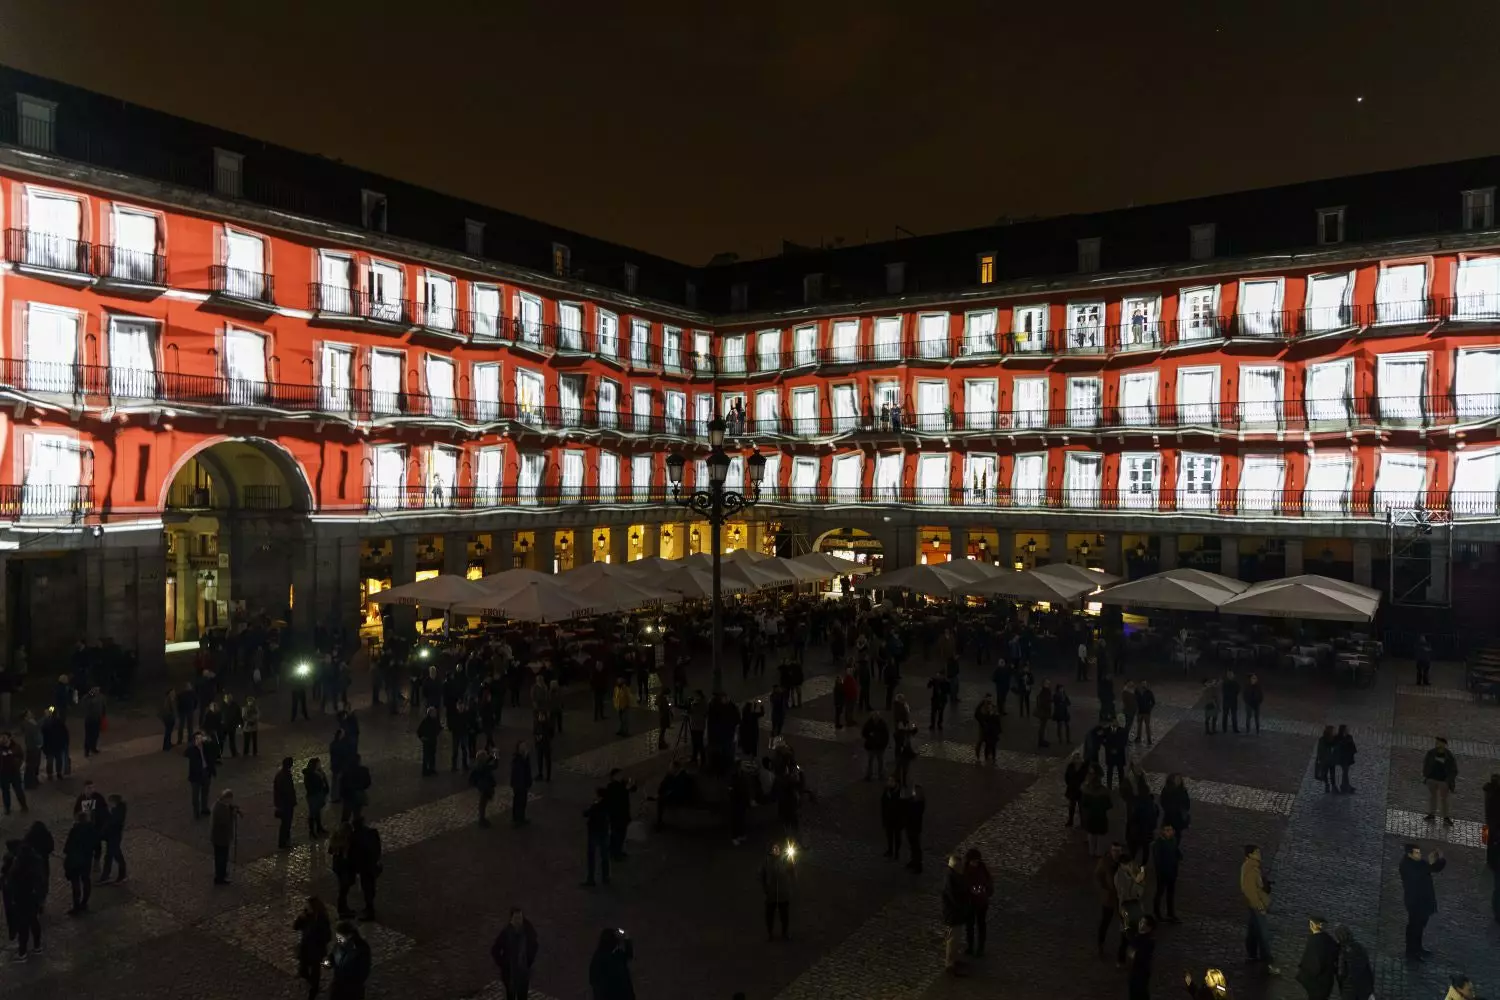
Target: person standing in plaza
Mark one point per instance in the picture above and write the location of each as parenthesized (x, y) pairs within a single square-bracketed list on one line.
[(482, 778), (284, 801), (1419, 896), (167, 715), (1342, 757), (1254, 696), (1002, 678), (222, 832), (893, 819), (31, 739), (609, 969), (1104, 688), (981, 888), (1424, 662), (877, 736), (617, 796), (23, 876), (1115, 751), (349, 961), (1317, 973), (1166, 859), (1257, 893), (78, 859), (778, 877), (1145, 703), (1093, 813), (187, 704), (956, 909), (987, 720), (1140, 953), (514, 953), (428, 731), (365, 862), (520, 783), (461, 733), (1129, 706), (541, 741), (1492, 849), (1229, 693), (315, 789), (250, 726), (11, 761), (314, 934), (938, 688), (113, 836), (1043, 714), (1176, 805), (1440, 772), (596, 826), (203, 763), (1109, 898), (1323, 759)]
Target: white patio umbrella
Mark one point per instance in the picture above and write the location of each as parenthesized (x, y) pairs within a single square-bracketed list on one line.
[(839, 566), (1175, 590), (511, 579), (536, 601), (745, 555), (694, 583), (742, 570), (589, 572), (1032, 586), (608, 594), (1306, 597), (1067, 571), (801, 572), (935, 580), (438, 592), (652, 565), (1329, 582)]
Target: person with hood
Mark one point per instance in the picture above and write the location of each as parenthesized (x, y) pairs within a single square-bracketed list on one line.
[(514, 953), (350, 963), (78, 860), (1419, 896), (609, 969), (981, 888), (778, 876), (113, 836), (956, 912), (877, 736), (520, 783), (284, 801), (314, 934), (893, 818), (1317, 973), (39, 839), (1355, 975), (22, 879), (315, 789)]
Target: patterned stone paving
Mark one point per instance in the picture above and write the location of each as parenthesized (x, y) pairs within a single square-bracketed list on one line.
[(1411, 826)]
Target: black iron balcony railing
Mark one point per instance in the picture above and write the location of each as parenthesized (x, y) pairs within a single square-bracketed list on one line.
[(186, 496), (335, 302), (47, 251), (44, 501), (137, 267), (239, 285)]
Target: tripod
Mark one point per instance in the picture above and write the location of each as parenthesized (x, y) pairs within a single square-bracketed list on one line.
[(682, 731)]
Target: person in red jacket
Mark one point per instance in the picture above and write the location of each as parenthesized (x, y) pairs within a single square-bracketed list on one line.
[(981, 888)]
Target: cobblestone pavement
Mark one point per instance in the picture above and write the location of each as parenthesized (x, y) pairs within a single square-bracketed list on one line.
[(863, 927)]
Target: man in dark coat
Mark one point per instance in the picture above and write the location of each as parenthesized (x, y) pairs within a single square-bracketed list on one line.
[(284, 801), (596, 818), (617, 798), (221, 834), (428, 731), (1166, 857), (78, 859), (1419, 896), (892, 817), (203, 763), (956, 905), (482, 777), (1229, 701), (877, 736), (113, 835), (778, 877), (364, 861), (1317, 973), (514, 951)]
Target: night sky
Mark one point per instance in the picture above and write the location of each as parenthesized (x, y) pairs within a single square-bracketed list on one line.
[(693, 127)]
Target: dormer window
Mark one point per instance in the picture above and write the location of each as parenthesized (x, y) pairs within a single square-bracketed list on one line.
[(1330, 225), (372, 210)]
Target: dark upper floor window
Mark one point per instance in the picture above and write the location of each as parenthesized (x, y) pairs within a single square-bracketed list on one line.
[(229, 173), (895, 278), (474, 237), (1088, 254), (1202, 240), (372, 210), (812, 287), (739, 296), (690, 294), (562, 260), (986, 269), (36, 123), (1479, 208), (632, 277), (1331, 225)]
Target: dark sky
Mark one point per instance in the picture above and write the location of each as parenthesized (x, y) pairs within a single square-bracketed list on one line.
[(694, 126)]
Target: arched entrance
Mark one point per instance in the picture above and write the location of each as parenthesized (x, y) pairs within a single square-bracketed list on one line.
[(235, 518), (851, 543)]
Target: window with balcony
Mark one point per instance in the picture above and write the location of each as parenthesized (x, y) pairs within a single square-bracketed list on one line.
[(486, 305), (562, 260), (532, 467), (1401, 387), (1260, 394), (1330, 477), (845, 408), (768, 350), (439, 376), (932, 335), (1330, 392), (734, 355), (1260, 308), (487, 391), (530, 397), (608, 327), (1140, 325), (640, 344), (1198, 310), (1086, 326), (572, 476), (640, 407), (385, 289), (1476, 383), (1479, 208), (1261, 480), (1085, 394), (1140, 478), (570, 399), (1029, 328), (52, 476), (1138, 399), (1401, 481), (36, 123), (1477, 290), (489, 477), (528, 319), (1329, 302), (133, 253), (229, 173), (335, 290), (245, 366), (895, 278), (372, 210), (640, 477), (703, 350), (388, 477), (51, 348), (847, 478), (805, 345), (569, 326), (336, 377), (888, 477), (1029, 402), (768, 412), (1401, 294), (1028, 483), (608, 401), (385, 382), (981, 403), (980, 472), (132, 358), (609, 477), (932, 405), (1330, 225), (886, 396), (1197, 480), (1201, 241), (1088, 254), (805, 411), (474, 238), (703, 413), (932, 478), (771, 484), (986, 269), (888, 338), (1476, 483), (812, 288), (53, 234), (440, 301), (804, 479), (844, 340), (1198, 396), (676, 413), (442, 475), (1083, 478), (735, 418), (979, 333)]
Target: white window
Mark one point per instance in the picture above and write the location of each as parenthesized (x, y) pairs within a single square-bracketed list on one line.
[(848, 478), (1028, 482), (932, 479), (1086, 326), (1140, 477), (385, 382), (1084, 398), (981, 404), (489, 477), (1476, 383), (608, 334), (979, 333), (1197, 480), (562, 260), (1328, 301), (572, 476), (609, 404), (1199, 309), (1198, 396), (336, 377), (372, 210), (51, 349), (888, 338), (895, 278), (335, 291), (133, 257), (1401, 481), (486, 310), (845, 408), (1088, 254), (980, 472), (244, 266), (440, 386), (388, 477), (1260, 394), (473, 238), (640, 342), (1478, 288), (844, 341), (570, 400), (487, 392), (1138, 399), (245, 365), (54, 471), (1330, 225), (768, 350), (671, 350), (1029, 402), (36, 123), (1029, 328), (569, 326), (805, 345), (640, 405), (770, 488), (229, 173), (703, 413), (1401, 384), (1083, 477), (812, 287), (805, 412), (640, 476), (1479, 208), (1201, 240), (386, 287), (702, 348), (442, 475), (632, 276), (609, 476), (1330, 392), (132, 359), (528, 318), (888, 477), (804, 479), (1260, 308), (676, 413), (932, 405), (1261, 479), (1140, 322), (529, 476), (767, 412), (530, 397), (887, 398), (1330, 475), (440, 299), (1476, 483), (1401, 294), (932, 335)]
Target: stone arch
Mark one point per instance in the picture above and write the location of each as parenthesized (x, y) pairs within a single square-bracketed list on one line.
[(244, 462)]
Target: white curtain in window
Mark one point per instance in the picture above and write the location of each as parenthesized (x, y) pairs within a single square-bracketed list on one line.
[(1476, 483), (1329, 388), (676, 413), (1402, 385), (569, 326), (1029, 402), (640, 476), (641, 409), (980, 472), (442, 475), (135, 245), (1028, 482), (888, 338), (1401, 481), (389, 474), (981, 403), (734, 478), (609, 476), (385, 382), (609, 334), (804, 412), (702, 344), (888, 477), (609, 403), (845, 409), (487, 392), (845, 340), (572, 475), (1030, 328), (770, 487), (1197, 480), (1401, 294), (768, 350), (529, 319), (132, 360), (1139, 478), (1083, 475), (1261, 477), (1328, 302), (54, 471), (1197, 394), (1260, 308), (932, 479), (1478, 288), (640, 340), (734, 354), (703, 413), (932, 335), (529, 395), (53, 229), (1138, 399), (1330, 475), (847, 478), (442, 301), (932, 406), (336, 288), (979, 337), (570, 398), (529, 477), (489, 474), (767, 416), (245, 364), (805, 345), (440, 386), (1260, 395), (486, 311), (804, 478), (1476, 383), (336, 377), (1083, 401)]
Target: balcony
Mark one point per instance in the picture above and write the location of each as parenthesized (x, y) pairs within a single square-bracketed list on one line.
[(49, 254), (342, 304), (117, 267), (461, 498), (20, 502), (249, 290)]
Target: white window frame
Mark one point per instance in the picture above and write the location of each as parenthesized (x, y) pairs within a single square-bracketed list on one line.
[(981, 419), (607, 333), (640, 343), (374, 210), (1029, 417), (1402, 408), (884, 346), (1393, 307), (1482, 303), (609, 416), (1337, 466), (839, 393), (1193, 413), (384, 495), (1081, 416), (1261, 322), (733, 358), (1261, 413), (1481, 502), (1026, 493), (1139, 485), (805, 345), (641, 417), (245, 283), (1085, 334), (486, 492), (441, 488), (675, 416), (767, 423), (640, 485), (385, 302), (1471, 404), (570, 460), (130, 263), (929, 346), (571, 388), (803, 424), (1324, 317), (1035, 341), (1082, 497), (570, 337), (1194, 326), (435, 314), (1253, 495), (50, 487), (1391, 494), (888, 486), (36, 123), (1199, 479), (1147, 333), (135, 378), (387, 402), (805, 472), (1138, 414), (1482, 200), (441, 406), (532, 411), (768, 351), (978, 339), (243, 390), (336, 376), (1323, 409), (934, 493), (528, 318), (1335, 216), (923, 420), (53, 373), (981, 470), (487, 322), (531, 474), (843, 341), (486, 408)]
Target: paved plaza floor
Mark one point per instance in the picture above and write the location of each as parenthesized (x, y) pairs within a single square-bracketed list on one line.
[(862, 927)]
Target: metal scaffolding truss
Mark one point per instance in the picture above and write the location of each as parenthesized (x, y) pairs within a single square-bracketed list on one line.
[(1420, 567)]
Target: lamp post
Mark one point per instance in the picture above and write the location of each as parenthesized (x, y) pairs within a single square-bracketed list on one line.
[(716, 504)]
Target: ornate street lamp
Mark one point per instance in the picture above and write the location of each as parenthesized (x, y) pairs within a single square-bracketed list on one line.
[(716, 505)]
